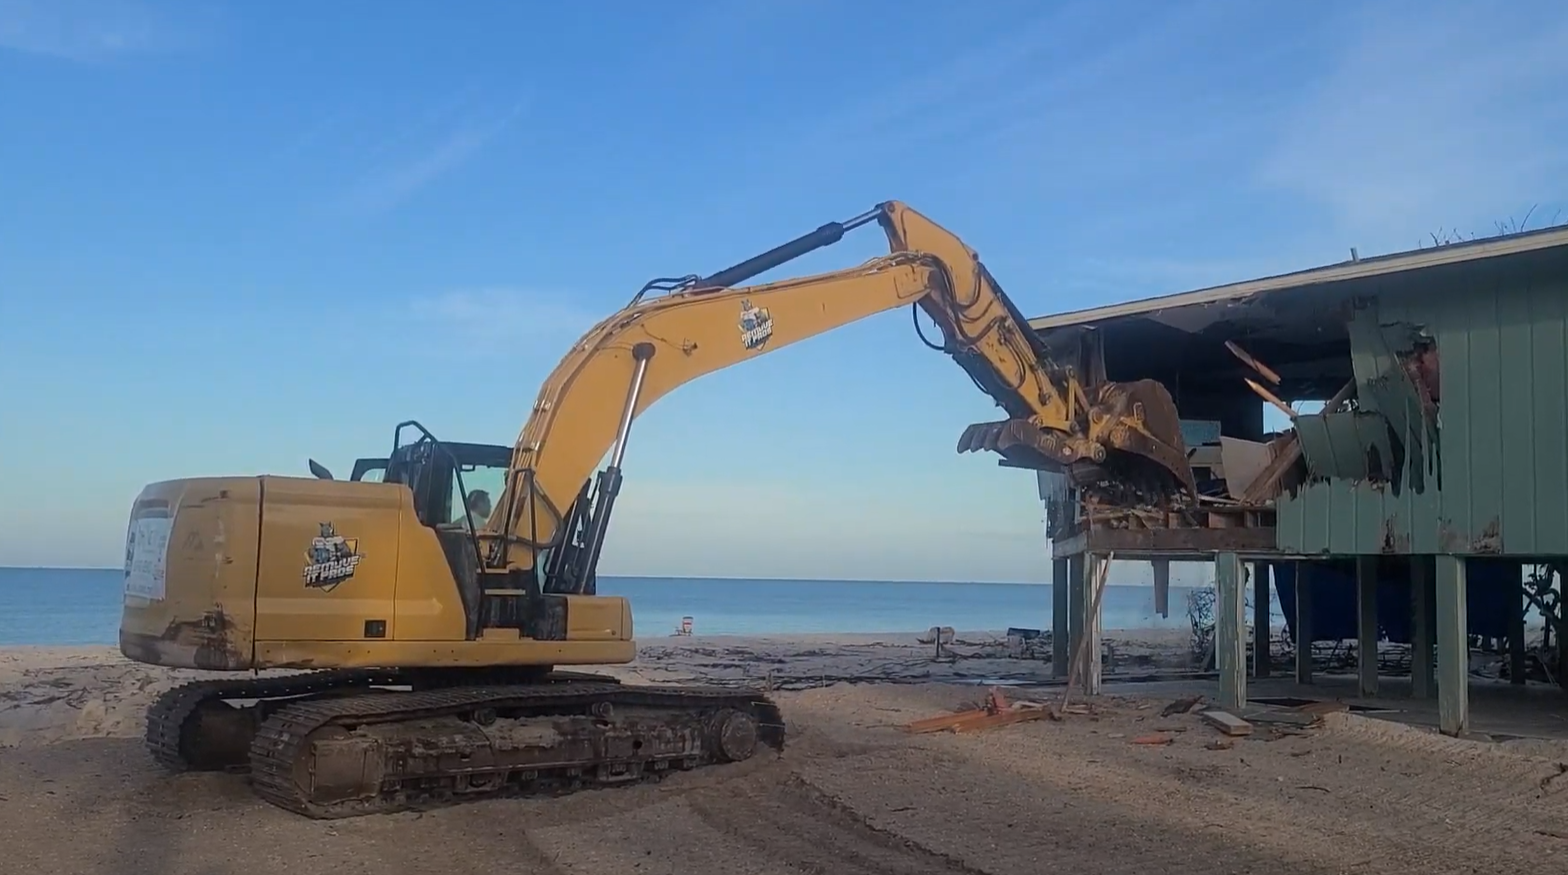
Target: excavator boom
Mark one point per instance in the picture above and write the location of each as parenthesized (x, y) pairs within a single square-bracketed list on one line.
[(637, 355)]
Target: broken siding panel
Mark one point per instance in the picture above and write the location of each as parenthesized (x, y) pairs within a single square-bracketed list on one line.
[(1412, 524), (1503, 449), (1338, 517)]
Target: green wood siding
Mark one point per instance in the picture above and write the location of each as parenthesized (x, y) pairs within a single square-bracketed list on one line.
[(1502, 339)]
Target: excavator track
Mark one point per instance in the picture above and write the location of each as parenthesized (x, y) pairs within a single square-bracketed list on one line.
[(332, 744), (182, 737), (191, 728), (380, 752)]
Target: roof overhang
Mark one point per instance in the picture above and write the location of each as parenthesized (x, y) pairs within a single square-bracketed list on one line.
[(1293, 322), (1345, 271)]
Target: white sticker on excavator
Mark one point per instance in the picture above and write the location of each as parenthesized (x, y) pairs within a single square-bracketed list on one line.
[(146, 549)]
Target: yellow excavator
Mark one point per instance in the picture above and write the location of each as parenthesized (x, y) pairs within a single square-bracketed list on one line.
[(432, 631)]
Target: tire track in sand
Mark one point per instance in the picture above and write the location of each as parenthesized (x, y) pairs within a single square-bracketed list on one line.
[(798, 823)]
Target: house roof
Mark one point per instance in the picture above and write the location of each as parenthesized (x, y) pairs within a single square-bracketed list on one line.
[(1398, 262)]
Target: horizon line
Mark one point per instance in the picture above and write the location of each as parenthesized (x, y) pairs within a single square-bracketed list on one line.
[(1149, 584)]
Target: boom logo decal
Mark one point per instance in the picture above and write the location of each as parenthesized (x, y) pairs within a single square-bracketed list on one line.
[(756, 325), (331, 559)]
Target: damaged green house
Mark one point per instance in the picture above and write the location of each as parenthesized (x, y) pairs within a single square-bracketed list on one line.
[(1457, 442), (1408, 507)]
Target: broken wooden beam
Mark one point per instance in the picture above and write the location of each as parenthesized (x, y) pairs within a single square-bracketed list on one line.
[(1266, 485), (1226, 722), (993, 711), (1270, 397), (978, 719), (1263, 370)]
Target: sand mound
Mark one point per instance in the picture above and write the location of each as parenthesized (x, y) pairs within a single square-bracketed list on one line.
[(52, 704)]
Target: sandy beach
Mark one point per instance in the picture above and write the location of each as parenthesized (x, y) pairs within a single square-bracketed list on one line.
[(851, 793)]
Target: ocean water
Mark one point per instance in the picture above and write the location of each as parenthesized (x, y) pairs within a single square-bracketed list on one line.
[(63, 606)]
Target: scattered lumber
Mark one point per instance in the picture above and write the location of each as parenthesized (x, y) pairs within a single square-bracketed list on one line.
[(995, 711), (1226, 722)]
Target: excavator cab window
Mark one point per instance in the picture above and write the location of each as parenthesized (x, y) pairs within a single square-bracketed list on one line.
[(481, 484), (369, 470), (441, 474)]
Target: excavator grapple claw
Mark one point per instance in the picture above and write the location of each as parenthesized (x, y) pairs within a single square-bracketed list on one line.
[(1138, 419), (1023, 442)]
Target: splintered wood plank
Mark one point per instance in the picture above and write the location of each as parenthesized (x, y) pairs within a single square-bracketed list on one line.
[(1226, 722), (1006, 718), (945, 721), (972, 721)]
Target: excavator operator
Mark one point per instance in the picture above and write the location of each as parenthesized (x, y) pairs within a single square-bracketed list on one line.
[(478, 510)]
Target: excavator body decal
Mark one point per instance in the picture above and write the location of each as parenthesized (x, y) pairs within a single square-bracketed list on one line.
[(756, 325)]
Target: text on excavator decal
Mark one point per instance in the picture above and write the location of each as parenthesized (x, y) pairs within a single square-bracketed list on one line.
[(756, 325), (146, 549), (331, 559)]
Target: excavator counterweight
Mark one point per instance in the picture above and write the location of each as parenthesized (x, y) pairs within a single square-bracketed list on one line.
[(430, 608)]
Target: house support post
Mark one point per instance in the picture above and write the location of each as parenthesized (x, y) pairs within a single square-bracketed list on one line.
[(1092, 669), (1077, 605), (1303, 630), (1517, 670), (1162, 587), (1262, 636), (1366, 625), (1230, 625), (1453, 647), (1423, 625), (1060, 611)]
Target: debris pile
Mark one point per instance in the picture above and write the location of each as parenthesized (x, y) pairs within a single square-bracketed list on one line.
[(995, 710), (1279, 722)]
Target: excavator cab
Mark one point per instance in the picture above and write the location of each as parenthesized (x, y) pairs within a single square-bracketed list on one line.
[(452, 482), (445, 476), (449, 482)]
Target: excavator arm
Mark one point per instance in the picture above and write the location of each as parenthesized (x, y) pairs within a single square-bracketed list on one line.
[(548, 520)]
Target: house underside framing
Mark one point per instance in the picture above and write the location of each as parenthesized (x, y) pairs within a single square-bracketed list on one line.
[(1286, 511)]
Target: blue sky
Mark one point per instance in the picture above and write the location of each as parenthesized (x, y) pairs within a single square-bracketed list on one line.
[(237, 235)]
